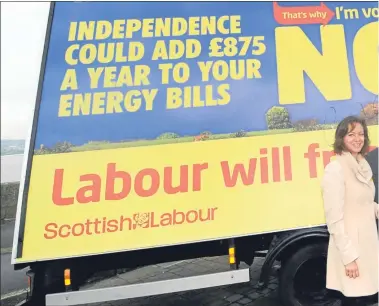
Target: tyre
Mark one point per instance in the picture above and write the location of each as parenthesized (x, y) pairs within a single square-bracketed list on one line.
[(302, 278)]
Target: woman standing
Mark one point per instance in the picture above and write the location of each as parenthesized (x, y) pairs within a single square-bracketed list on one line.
[(351, 213)]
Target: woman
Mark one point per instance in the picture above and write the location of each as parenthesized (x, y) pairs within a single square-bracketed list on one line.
[(351, 213)]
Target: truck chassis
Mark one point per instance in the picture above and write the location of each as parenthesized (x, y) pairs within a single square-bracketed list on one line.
[(301, 254)]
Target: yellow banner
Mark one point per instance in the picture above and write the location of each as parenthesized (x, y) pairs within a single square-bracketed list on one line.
[(103, 201)]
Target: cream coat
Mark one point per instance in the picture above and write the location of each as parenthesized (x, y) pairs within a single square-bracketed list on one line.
[(351, 213)]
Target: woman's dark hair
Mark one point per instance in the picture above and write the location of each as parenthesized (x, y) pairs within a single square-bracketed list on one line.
[(346, 126)]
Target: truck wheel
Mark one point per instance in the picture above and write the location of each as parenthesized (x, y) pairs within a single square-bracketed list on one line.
[(303, 277)]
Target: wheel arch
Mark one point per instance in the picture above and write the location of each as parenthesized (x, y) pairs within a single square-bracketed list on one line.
[(287, 243)]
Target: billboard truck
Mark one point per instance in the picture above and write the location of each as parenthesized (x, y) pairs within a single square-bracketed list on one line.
[(167, 131)]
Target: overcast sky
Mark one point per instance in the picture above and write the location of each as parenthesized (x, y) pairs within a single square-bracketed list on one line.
[(23, 27)]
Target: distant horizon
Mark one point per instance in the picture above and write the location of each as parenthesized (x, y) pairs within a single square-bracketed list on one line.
[(13, 139)]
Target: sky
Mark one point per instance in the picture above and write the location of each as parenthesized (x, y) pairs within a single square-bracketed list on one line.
[(23, 27)]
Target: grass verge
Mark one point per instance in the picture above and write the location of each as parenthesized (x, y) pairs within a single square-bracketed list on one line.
[(104, 145)]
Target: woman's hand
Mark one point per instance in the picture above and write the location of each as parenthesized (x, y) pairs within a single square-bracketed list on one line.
[(352, 270)]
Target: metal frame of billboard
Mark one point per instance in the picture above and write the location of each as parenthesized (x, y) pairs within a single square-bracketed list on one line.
[(19, 230)]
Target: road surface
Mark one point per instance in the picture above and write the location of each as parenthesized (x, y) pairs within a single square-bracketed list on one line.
[(13, 283)]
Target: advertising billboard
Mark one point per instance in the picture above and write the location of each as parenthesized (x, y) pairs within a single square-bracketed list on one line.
[(164, 123)]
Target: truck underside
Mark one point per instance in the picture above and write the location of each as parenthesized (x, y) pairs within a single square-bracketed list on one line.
[(51, 284)]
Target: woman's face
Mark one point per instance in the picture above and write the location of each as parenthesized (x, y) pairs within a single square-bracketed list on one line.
[(354, 139)]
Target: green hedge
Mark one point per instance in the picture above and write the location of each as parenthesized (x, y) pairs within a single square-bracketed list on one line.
[(9, 197)]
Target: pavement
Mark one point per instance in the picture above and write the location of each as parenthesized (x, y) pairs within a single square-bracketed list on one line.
[(235, 295)]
